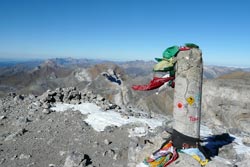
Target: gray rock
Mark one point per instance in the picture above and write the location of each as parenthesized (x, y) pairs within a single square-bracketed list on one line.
[(46, 105), (18, 98), (14, 157), (12, 94), (244, 163), (20, 132), (107, 142), (110, 129), (58, 97), (227, 103), (109, 153), (185, 160), (75, 101), (227, 152), (92, 96), (100, 98), (2, 160), (58, 90), (76, 159), (74, 95), (112, 106), (246, 140), (31, 164), (31, 97), (51, 93), (140, 148), (234, 131), (3, 117), (24, 156), (219, 162), (46, 111), (23, 120)]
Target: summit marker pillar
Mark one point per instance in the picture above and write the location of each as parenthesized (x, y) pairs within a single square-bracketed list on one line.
[(187, 98)]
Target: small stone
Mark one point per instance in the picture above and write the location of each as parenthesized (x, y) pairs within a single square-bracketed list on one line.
[(31, 164), (2, 160), (75, 101), (14, 157), (107, 142), (109, 153), (46, 105), (12, 94), (100, 98), (90, 165), (125, 116), (76, 159), (18, 98), (110, 129), (3, 117), (246, 140), (61, 153), (24, 156), (23, 120), (46, 111), (52, 165), (95, 144), (50, 120), (31, 96), (234, 131), (58, 89), (20, 132)]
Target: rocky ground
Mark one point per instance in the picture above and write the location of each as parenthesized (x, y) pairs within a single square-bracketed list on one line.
[(34, 135)]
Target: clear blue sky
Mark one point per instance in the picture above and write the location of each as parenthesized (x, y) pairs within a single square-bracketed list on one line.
[(125, 29)]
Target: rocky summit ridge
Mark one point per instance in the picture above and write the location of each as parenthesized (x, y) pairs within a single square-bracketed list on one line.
[(34, 131), (33, 134)]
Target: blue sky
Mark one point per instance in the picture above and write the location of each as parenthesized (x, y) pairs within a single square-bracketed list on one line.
[(125, 29)]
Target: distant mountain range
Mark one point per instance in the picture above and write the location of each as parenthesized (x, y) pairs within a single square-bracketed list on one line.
[(112, 80), (133, 68)]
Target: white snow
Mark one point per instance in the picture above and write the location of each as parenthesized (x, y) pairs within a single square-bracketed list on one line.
[(100, 119), (83, 75), (205, 131), (141, 165), (239, 147)]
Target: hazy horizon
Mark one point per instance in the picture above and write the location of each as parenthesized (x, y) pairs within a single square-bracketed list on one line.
[(124, 30), (14, 61)]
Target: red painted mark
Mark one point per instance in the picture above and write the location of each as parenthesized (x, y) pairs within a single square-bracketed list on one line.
[(193, 119), (180, 105)]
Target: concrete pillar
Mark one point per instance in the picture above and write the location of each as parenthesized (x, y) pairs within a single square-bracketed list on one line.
[(188, 93)]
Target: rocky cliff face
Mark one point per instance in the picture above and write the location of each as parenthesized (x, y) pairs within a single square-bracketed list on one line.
[(227, 101)]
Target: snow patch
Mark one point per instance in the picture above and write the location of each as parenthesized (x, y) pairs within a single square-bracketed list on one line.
[(100, 119), (205, 131), (83, 75), (141, 165), (240, 148)]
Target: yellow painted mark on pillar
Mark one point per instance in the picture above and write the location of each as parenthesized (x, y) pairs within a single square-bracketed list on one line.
[(190, 100)]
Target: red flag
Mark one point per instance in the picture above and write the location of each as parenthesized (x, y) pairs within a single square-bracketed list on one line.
[(153, 84)]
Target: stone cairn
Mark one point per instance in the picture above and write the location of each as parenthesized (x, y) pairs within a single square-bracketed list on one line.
[(71, 95)]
